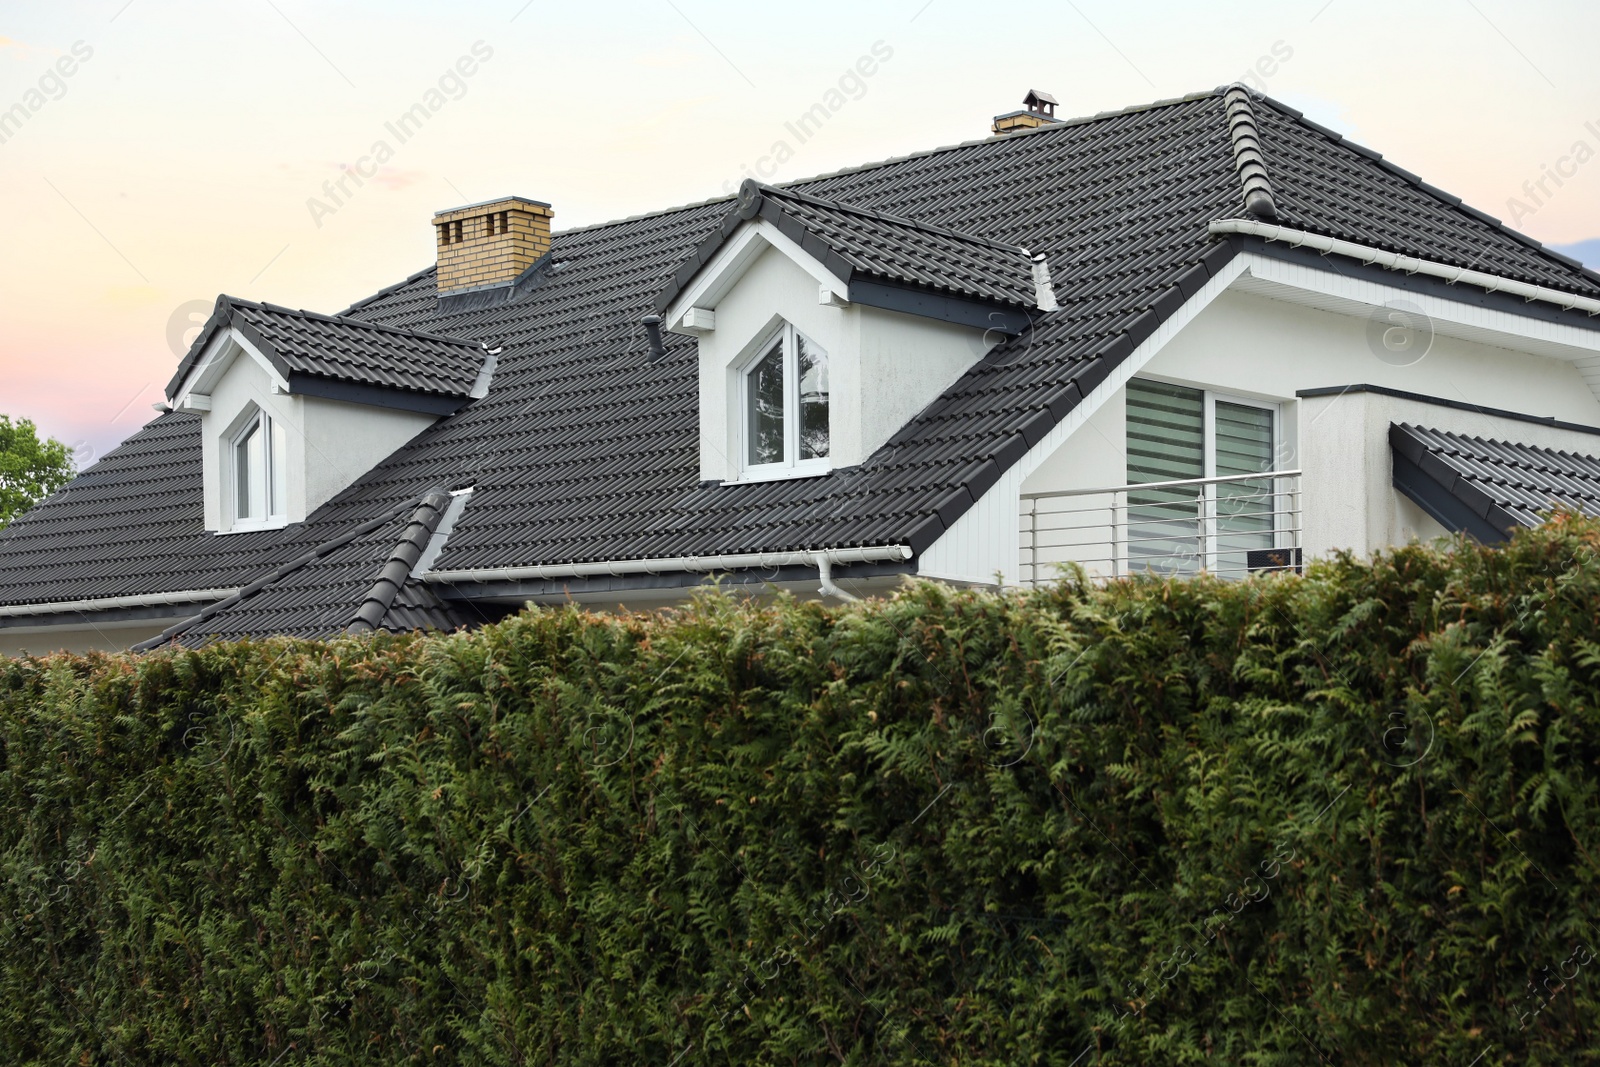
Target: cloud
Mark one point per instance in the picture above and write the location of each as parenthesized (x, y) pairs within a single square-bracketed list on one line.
[(1588, 251), (391, 178), (394, 178)]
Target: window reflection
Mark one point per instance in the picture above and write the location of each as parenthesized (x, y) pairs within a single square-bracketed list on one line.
[(765, 407), (813, 363), (786, 403)]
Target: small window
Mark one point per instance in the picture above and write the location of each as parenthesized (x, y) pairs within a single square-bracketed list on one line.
[(260, 473), (786, 407)]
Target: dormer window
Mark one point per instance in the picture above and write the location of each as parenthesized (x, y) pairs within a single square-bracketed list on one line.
[(883, 336), (786, 407), (260, 460), (295, 406)]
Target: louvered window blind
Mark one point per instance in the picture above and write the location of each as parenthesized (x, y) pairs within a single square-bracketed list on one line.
[(1180, 530), (1166, 442)]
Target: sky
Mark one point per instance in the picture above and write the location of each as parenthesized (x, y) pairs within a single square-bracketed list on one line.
[(166, 151)]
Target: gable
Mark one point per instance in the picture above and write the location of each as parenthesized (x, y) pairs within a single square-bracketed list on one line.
[(864, 257), (884, 367)]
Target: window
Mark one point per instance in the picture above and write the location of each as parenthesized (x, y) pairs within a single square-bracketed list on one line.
[(260, 462), (786, 407), (1216, 516)]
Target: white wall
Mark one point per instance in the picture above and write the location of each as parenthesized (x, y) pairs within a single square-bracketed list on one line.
[(330, 443), (344, 441), (245, 384), (1349, 468), (1269, 349), (907, 362), (883, 367)]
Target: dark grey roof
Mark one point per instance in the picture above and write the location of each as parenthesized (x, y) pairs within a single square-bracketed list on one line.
[(1458, 479), (585, 450), (857, 242), (1258, 198), (335, 580), (343, 349), (402, 561)]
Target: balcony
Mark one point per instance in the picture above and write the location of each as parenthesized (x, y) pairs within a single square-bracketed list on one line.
[(1231, 527)]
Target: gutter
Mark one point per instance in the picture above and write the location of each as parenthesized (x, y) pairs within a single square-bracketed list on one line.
[(1394, 261), (824, 559), (825, 577), (112, 603)]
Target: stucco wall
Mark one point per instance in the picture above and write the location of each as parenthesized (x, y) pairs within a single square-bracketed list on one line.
[(330, 443), (883, 367), (1271, 349), (907, 362), (344, 441), (1348, 482), (1254, 346), (244, 384)]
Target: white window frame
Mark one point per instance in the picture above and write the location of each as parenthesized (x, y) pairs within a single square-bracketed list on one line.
[(1211, 399), (1276, 485), (791, 466), (274, 483), (1208, 445)]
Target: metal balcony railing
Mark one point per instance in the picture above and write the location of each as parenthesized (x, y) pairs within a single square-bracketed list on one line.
[(1230, 526)]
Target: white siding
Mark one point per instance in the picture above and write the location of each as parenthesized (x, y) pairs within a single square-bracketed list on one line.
[(1284, 328)]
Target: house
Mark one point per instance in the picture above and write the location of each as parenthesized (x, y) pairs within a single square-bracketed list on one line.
[(1205, 333)]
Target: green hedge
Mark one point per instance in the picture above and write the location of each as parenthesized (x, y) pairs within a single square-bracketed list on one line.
[(1346, 818)]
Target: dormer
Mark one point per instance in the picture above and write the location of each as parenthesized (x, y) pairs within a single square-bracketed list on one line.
[(295, 406), (823, 328)]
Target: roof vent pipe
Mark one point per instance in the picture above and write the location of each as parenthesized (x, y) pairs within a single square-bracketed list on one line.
[(1044, 289), (652, 331)]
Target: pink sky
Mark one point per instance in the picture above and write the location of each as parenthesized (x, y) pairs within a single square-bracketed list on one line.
[(173, 149)]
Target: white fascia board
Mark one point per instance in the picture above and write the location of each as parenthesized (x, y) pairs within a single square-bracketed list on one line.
[(279, 382), (111, 603), (1130, 367), (985, 540), (701, 320), (219, 354), (731, 261), (1330, 290), (1494, 283)]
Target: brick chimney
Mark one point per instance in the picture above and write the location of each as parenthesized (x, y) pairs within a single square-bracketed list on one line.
[(485, 246)]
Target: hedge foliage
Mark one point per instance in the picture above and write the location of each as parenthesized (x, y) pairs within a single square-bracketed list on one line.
[(1346, 818)]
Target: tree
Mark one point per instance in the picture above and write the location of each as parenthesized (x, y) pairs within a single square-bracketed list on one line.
[(30, 469)]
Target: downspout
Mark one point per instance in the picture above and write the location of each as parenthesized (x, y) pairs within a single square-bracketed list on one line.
[(825, 574)]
